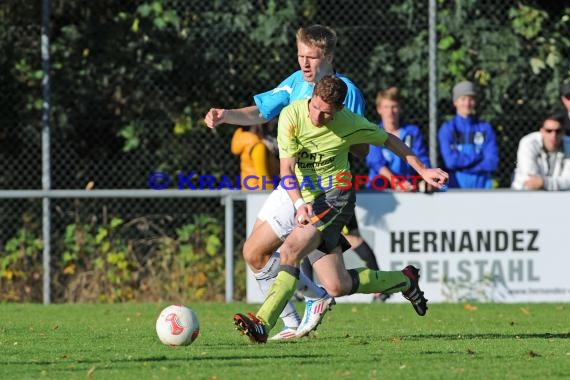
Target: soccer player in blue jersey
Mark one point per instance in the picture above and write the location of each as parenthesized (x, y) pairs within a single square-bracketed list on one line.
[(315, 53)]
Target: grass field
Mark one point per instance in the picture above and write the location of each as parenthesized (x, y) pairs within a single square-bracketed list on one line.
[(356, 341)]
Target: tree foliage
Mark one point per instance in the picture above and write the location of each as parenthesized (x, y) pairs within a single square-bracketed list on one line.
[(513, 53), (123, 70), (131, 80)]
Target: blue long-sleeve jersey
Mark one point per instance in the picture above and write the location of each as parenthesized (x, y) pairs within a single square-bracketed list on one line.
[(379, 156), (294, 87), (469, 150)]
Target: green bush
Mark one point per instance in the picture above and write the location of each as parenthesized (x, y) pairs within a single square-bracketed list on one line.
[(21, 264), (191, 266), (103, 261)]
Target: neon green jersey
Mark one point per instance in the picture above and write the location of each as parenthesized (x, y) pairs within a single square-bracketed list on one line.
[(322, 152)]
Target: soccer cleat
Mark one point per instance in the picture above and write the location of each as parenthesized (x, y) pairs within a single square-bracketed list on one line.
[(414, 293), (315, 310), (251, 326), (285, 334)]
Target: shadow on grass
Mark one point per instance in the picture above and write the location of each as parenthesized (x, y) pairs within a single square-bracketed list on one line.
[(461, 336), (165, 358)]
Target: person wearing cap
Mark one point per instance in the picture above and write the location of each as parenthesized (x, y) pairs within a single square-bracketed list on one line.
[(565, 98), (543, 162), (467, 144)]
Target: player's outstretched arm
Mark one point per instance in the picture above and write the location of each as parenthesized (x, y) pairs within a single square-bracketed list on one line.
[(435, 177), (360, 150), (238, 116)]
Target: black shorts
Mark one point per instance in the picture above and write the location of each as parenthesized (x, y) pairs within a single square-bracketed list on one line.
[(352, 226), (331, 212), (321, 251)]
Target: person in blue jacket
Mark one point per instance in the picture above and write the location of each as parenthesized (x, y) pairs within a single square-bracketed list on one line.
[(467, 144), (386, 169)]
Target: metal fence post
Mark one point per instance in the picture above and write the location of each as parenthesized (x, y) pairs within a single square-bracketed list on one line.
[(46, 175), (432, 83), (228, 202)]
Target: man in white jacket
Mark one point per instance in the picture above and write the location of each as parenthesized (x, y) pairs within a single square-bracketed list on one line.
[(543, 158)]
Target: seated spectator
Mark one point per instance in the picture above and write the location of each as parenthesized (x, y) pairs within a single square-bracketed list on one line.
[(565, 98), (468, 145), (383, 162), (255, 158), (542, 161)]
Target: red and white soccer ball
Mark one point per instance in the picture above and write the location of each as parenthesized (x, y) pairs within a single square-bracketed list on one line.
[(177, 325)]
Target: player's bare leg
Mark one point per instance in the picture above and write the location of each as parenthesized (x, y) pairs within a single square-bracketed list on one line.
[(259, 253)]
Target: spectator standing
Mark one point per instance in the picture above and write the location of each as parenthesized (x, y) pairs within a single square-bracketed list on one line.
[(543, 162), (248, 144), (467, 144), (565, 98), (383, 162)]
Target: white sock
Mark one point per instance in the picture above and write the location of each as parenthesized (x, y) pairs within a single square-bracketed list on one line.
[(265, 278), (308, 288)]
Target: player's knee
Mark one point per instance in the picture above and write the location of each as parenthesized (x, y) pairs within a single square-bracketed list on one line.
[(334, 288), (339, 285), (253, 256), (288, 255)]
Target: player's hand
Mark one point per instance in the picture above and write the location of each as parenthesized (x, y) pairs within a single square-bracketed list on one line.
[(435, 177), (214, 117), (303, 215)]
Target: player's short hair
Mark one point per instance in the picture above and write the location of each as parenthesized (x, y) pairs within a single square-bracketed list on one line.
[(391, 93), (318, 36), (332, 90)]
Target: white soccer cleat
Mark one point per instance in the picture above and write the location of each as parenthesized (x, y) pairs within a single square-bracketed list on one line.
[(315, 310), (286, 333)]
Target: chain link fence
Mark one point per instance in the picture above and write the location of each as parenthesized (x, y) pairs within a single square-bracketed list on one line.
[(131, 81)]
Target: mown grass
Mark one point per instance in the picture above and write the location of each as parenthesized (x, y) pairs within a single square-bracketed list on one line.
[(356, 341)]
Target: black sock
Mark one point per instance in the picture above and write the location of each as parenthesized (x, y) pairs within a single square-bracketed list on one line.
[(367, 255), (355, 280), (293, 271)]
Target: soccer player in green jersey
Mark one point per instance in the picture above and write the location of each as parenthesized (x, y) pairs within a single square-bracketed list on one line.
[(316, 46), (314, 138)]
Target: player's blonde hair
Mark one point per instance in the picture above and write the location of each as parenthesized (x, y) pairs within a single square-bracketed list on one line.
[(319, 36)]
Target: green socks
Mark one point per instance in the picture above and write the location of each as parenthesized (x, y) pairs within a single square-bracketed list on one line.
[(387, 282), (279, 293), (370, 281)]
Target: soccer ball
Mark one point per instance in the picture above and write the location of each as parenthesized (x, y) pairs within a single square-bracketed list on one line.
[(177, 325)]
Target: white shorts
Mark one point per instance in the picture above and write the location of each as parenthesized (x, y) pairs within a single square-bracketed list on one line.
[(279, 212)]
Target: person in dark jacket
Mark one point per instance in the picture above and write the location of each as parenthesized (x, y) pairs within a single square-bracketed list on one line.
[(565, 98), (467, 144), (383, 164)]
